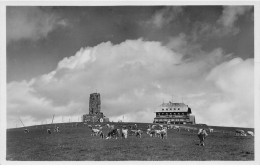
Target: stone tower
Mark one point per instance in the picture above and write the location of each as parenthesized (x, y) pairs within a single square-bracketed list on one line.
[(94, 104)]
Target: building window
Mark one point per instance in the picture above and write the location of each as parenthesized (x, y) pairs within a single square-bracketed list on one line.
[(178, 108), (166, 109), (162, 109), (174, 108), (170, 109)]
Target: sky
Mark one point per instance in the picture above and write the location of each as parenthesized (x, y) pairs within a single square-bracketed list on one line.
[(136, 57)]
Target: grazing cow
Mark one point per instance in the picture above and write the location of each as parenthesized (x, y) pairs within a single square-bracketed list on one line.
[(95, 132), (150, 132), (163, 133), (49, 131), (113, 133), (56, 129), (202, 136), (211, 130), (157, 133), (250, 133), (240, 132), (124, 133), (138, 133), (132, 132), (26, 131), (90, 126), (177, 128)]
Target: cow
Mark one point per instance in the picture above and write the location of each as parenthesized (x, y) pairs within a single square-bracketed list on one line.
[(148, 131), (57, 129), (113, 133), (138, 133), (240, 132), (90, 126), (95, 132), (132, 132), (163, 133), (124, 133), (202, 136), (177, 128), (250, 133), (151, 132), (49, 131), (26, 131), (211, 130), (157, 133)]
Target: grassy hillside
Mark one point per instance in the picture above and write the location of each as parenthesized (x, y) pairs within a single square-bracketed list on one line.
[(75, 143)]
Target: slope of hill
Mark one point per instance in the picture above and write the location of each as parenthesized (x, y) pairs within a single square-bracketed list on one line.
[(75, 143)]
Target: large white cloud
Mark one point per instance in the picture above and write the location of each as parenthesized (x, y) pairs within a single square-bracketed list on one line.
[(133, 77), (235, 82)]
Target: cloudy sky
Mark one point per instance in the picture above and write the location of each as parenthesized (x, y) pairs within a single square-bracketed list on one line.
[(136, 57)]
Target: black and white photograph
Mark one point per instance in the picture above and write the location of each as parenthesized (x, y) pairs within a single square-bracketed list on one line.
[(117, 82)]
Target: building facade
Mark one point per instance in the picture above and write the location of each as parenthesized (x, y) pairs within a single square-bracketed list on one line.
[(95, 114), (174, 113)]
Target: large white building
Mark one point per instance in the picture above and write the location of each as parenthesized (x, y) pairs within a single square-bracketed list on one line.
[(174, 113)]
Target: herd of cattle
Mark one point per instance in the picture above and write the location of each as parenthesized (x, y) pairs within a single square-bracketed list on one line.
[(153, 130)]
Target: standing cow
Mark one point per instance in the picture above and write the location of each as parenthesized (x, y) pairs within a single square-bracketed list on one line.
[(240, 132), (26, 130), (202, 135), (124, 133), (49, 131)]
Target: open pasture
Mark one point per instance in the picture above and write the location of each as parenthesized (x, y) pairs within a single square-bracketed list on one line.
[(77, 144)]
